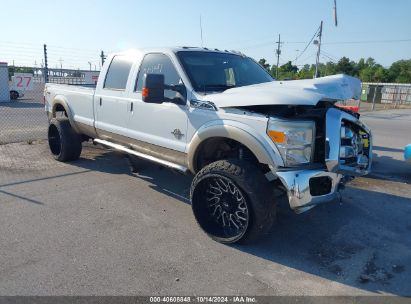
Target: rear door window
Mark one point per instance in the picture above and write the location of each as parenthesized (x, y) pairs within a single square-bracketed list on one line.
[(118, 72)]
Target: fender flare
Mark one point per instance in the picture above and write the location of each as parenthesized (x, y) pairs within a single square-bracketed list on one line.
[(61, 100), (265, 151)]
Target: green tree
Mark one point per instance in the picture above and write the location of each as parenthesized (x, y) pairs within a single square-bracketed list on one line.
[(287, 71), (345, 66), (306, 72), (400, 71), (380, 74), (330, 69), (264, 64)]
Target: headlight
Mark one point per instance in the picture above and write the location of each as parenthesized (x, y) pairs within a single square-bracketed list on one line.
[(294, 139)]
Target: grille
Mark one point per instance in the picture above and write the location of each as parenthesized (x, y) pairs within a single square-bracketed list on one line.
[(354, 148), (348, 144)]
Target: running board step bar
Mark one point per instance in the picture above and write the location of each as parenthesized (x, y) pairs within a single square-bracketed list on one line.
[(141, 155)]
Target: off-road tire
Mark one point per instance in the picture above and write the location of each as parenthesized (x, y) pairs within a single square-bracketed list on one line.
[(64, 142), (254, 188)]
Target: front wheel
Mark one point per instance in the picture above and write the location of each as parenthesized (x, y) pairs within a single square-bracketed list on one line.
[(232, 201)]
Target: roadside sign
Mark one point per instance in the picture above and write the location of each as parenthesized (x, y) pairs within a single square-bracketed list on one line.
[(91, 77), (22, 81)]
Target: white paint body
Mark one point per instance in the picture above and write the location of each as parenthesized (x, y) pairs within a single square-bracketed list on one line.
[(154, 123)]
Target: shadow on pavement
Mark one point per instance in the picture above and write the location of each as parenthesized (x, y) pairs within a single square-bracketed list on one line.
[(22, 104), (388, 168), (387, 149), (363, 242)]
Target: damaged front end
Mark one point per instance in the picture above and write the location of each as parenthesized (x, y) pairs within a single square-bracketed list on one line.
[(342, 149)]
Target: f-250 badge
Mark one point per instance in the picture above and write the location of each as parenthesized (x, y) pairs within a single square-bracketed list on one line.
[(177, 133)]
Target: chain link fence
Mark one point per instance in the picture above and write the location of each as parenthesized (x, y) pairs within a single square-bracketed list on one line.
[(381, 96), (23, 122), (23, 118)]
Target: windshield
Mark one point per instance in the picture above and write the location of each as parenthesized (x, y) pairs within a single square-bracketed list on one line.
[(217, 72)]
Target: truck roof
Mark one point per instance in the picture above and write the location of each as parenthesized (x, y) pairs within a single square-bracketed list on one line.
[(174, 50)]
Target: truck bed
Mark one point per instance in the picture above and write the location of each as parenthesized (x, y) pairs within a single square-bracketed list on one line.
[(79, 99)]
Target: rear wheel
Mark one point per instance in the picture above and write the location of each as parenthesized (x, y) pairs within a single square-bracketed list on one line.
[(64, 142), (14, 95), (232, 201)]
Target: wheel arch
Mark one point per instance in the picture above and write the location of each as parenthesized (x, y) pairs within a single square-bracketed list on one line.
[(60, 104), (264, 152)]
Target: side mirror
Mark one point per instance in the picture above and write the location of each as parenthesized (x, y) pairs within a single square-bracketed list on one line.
[(153, 88)]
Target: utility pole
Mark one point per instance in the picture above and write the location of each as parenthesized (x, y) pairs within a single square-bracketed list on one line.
[(46, 68), (335, 12), (317, 61), (278, 52), (102, 58)]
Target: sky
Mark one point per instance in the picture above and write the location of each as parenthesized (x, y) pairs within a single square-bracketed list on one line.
[(76, 31)]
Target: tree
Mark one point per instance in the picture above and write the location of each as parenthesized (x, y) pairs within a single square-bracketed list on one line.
[(287, 71), (366, 74), (306, 72), (345, 66), (400, 71), (264, 64), (380, 74), (330, 69), (368, 70)]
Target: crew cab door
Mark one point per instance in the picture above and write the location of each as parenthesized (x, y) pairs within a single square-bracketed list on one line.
[(163, 124), (110, 99)]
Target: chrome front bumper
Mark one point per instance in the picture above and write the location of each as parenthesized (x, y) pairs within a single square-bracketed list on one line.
[(307, 188), (300, 192)]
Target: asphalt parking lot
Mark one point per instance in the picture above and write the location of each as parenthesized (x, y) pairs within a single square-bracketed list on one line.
[(92, 227)]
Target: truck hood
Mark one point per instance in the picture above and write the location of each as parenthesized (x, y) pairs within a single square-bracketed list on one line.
[(293, 92)]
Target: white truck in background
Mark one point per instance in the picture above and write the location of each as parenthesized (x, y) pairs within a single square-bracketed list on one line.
[(221, 117)]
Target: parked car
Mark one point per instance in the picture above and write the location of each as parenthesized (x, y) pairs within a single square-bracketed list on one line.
[(14, 94), (219, 116)]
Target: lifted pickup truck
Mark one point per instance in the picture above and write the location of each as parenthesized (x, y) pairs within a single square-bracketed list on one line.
[(222, 117)]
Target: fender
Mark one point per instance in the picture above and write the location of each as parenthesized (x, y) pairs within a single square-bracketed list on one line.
[(61, 100), (265, 151)]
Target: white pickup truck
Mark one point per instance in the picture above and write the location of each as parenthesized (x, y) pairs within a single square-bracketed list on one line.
[(220, 116)]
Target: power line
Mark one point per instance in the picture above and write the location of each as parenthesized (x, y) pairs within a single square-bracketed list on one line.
[(263, 44), (308, 44), (369, 41), (309, 57), (328, 57)]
